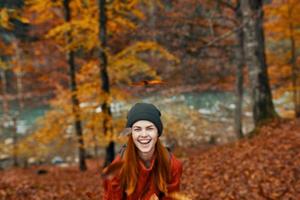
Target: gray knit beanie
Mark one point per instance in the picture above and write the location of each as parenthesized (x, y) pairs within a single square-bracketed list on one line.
[(145, 111)]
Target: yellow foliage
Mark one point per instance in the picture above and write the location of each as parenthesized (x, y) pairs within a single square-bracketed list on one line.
[(4, 65), (145, 46), (7, 14), (122, 67), (4, 19), (56, 127), (281, 27), (5, 149), (53, 130), (84, 25), (281, 17), (46, 10)]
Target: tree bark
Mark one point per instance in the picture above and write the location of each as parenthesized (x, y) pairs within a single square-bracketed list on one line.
[(73, 87), (239, 54), (19, 75), (107, 117), (15, 141), (8, 117), (295, 81), (5, 105), (254, 48)]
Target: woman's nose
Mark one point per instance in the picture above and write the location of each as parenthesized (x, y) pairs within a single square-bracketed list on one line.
[(144, 132)]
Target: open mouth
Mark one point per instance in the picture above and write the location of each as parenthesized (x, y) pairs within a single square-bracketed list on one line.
[(144, 141)]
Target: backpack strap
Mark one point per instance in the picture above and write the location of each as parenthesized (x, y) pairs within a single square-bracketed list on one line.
[(170, 152), (122, 150)]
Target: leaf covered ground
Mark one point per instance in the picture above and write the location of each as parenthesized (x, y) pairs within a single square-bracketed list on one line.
[(264, 167)]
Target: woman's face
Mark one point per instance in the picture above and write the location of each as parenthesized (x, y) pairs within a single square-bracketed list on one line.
[(144, 134)]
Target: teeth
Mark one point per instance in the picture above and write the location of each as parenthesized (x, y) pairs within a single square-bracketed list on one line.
[(144, 141)]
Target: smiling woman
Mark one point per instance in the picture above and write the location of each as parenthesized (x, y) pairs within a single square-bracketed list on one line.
[(146, 170), (144, 135)]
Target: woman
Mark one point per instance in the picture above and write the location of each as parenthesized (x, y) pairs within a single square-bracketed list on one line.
[(145, 169)]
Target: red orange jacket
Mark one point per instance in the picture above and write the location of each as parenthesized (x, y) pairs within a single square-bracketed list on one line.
[(112, 189)]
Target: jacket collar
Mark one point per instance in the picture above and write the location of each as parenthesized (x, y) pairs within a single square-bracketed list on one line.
[(142, 165)]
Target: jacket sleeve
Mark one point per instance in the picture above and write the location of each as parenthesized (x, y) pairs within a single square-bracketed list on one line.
[(111, 185), (176, 172)]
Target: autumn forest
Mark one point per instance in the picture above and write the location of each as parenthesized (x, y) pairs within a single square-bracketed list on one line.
[(224, 73)]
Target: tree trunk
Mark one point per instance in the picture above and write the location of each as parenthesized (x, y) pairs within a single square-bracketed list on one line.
[(5, 105), (73, 87), (107, 117), (19, 75), (15, 141), (254, 49), (96, 148), (239, 54), (7, 117), (295, 82)]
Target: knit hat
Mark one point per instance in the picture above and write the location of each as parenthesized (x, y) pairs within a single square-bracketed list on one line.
[(145, 111)]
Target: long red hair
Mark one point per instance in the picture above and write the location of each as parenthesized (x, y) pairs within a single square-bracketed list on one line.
[(129, 169)]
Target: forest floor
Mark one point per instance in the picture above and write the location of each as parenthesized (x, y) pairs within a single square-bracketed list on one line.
[(266, 166)]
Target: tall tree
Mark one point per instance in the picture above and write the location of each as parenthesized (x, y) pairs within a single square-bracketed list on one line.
[(239, 72), (5, 105), (238, 61), (282, 25), (236, 54), (13, 30), (73, 87), (107, 117), (123, 66), (254, 48)]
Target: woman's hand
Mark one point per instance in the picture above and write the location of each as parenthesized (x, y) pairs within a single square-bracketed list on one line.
[(154, 197)]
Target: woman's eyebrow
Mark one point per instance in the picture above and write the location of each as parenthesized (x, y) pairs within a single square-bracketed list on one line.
[(150, 126)]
